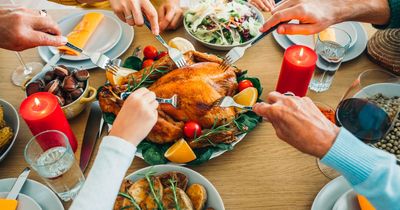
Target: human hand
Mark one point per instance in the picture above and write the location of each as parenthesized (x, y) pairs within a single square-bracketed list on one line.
[(23, 28), (170, 15), (137, 117), (299, 122), (317, 15), (264, 5), (130, 11)]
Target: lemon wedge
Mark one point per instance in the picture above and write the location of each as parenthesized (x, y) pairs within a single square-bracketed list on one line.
[(180, 152), (247, 97), (120, 78), (181, 44)]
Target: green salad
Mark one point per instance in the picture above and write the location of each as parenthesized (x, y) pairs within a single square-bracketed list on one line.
[(222, 22)]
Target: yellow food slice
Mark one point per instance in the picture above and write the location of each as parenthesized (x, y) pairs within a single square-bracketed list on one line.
[(82, 32), (180, 152), (120, 78), (6, 204), (247, 97), (364, 203), (326, 35), (181, 44)]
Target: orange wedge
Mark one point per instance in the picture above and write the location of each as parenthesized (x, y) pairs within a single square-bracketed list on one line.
[(247, 97), (180, 152), (181, 44), (120, 78)]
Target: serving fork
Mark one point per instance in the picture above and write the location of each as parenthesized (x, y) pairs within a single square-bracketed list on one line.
[(173, 53), (237, 52), (173, 100), (227, 101)]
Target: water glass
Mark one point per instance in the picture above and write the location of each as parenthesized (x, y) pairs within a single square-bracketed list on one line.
[(51, 156), (331, 51)]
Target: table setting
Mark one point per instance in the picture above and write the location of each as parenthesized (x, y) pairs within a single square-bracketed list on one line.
[(208, 149)]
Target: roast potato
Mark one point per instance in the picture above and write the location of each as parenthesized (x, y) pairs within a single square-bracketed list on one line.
[(121, 201), (141, 192), (198, 195), (183, 200), (180, 178)]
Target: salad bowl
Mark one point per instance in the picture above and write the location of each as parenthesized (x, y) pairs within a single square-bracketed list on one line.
[(210, 42)]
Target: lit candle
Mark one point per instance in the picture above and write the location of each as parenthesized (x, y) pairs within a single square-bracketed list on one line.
[(297, 70), (42, 112)]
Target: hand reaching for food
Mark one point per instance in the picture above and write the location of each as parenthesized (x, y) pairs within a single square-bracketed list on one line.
[(299, 122), (264, 5), (170, 15), (23, 28), (137, 117), (130, 11)]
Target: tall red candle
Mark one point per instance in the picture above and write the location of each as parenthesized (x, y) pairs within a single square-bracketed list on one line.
[(297, 70), (42, 112)]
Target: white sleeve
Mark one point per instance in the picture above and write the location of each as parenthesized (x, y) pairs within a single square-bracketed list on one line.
[(104, 180)]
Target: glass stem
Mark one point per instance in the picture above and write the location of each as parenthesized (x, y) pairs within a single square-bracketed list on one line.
[(27, 70)]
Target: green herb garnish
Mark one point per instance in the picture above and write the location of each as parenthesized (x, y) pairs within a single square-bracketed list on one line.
[(156, 197), (173, 187), (130, 198)]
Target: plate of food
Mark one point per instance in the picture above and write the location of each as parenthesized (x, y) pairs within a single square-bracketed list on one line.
[(9, 127), (222, 25), (196, 129), (168, 187), (90, 32)]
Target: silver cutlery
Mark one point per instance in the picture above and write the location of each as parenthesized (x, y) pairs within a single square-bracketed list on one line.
[(99, 59), (19, 183), (228, 101), (237, 52), (173, 53), (173, 100)]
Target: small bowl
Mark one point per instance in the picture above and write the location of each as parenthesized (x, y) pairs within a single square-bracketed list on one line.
[(76, 107), (24, 202), (12, 120), (214, 200), (260, 17)]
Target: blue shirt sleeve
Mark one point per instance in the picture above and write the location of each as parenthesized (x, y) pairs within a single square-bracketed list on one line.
[(372, 173)]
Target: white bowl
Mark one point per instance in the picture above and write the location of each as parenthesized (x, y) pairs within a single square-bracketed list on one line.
[(213, 198), (24, 202), (348, 201), (260, 17), (12, 120)]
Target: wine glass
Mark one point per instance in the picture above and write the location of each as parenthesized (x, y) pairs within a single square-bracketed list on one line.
[(24, 71)]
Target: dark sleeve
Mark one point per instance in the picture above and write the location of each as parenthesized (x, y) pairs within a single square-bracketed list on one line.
[(394, 21)]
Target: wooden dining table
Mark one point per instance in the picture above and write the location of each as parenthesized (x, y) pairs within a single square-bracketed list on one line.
[(261, 172)]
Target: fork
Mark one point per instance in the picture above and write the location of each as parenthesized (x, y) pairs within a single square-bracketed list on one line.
[(228, 101), (237, 52), (99, 59), (173, 53), (173, 100)]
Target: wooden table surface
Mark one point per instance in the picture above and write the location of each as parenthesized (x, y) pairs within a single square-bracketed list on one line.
[(262, 172)]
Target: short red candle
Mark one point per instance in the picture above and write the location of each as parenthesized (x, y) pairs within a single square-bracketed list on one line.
[(42, 112), (297, 70)]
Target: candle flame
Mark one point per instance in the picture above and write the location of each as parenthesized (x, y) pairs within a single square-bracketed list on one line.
[(301, 52), (37, 102)]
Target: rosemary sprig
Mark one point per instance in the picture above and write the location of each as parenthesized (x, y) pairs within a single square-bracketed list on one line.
[(214, 130), (129, 197), (153, 192), (173, 187), (145, 80)]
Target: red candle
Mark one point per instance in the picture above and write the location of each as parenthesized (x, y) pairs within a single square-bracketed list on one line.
[(297, 70), (42, 112)]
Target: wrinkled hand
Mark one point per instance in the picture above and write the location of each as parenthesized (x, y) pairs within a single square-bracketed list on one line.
[(299, 122), (23, 28), (316, 15), (130, 11), (170, 15), (264, 5), (137, 117)]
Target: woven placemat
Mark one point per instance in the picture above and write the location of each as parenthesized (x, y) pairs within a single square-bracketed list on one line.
[(384, 49)]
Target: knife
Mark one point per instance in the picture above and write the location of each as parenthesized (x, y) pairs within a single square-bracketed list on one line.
[(13, 194), (91, 134)]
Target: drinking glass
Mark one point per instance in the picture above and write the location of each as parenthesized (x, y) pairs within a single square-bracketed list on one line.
[(51, 156), (330, 51)]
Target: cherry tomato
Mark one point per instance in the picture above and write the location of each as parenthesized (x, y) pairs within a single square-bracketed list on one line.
[(147, 63), (192, 129), (244, 84), (162, 54), (150, 52)]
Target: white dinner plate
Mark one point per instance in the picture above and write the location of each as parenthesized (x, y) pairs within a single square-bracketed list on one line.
[(308, 40), (354, 52), (46, 198), (123, 44), (330, 193), (104, 38), (348, 201), (214, 200), (24, 202)]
